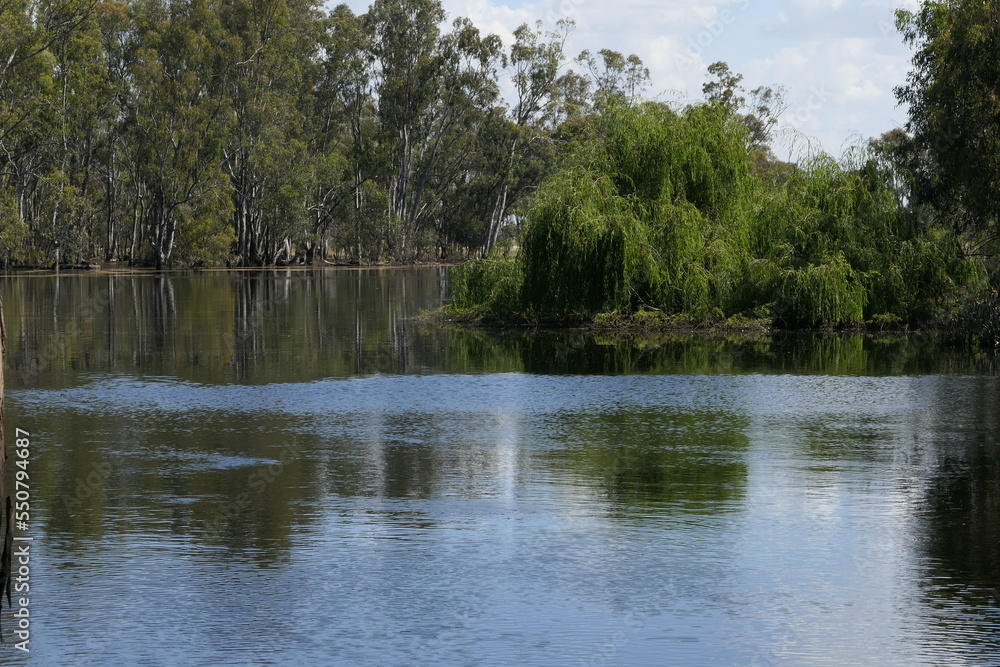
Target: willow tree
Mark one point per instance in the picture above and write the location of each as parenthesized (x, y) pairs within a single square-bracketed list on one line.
[(645, 218), (664, 211)]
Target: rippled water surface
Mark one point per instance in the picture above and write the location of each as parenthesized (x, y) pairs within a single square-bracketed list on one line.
[(290, 468)]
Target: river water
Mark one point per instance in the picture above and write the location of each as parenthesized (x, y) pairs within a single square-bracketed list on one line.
[(256, 468)]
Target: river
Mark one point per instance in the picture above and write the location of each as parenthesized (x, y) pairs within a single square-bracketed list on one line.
[(290, 467)]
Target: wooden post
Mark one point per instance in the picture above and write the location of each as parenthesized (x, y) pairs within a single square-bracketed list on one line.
[(8, 539)]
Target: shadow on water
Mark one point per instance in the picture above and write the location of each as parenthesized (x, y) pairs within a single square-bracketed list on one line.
[(962, 519), (240, 327), (578, 352)]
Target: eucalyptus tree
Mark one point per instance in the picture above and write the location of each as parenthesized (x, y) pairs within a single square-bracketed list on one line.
[(954, 113), (177, 128), (573, 98), (432, 92), (407, 77), (518, 149), (115, 23), (28, 32), (608, 78), (28, 29), (343, 134), (87, 115), (759, 114), (615, 78), (469, 97), (24, 79), (723, 88), (536, 57), (272, 43)]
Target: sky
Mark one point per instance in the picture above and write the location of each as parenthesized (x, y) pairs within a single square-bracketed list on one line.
[(838, 60)]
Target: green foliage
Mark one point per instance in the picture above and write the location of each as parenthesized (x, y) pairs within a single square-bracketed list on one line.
[(953, 95), (490, 284), (580, 252), (384, 136), (826, 293), (368, 229), (666, 210), (117, 120), (205, 235), (13, 230)]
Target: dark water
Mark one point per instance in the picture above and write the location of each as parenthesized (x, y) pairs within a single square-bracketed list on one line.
[(287, 468)]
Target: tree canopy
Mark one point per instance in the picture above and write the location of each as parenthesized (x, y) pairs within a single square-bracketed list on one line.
[(160, 132), (685, 212), (255, 132), (665, 212), (953, 93)]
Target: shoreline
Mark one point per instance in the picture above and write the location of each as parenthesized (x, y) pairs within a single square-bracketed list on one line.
[(642, 323), (659, 324), (112, 269)]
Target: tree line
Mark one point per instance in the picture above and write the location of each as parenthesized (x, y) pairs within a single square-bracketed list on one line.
[(680, 213), (194, 132)]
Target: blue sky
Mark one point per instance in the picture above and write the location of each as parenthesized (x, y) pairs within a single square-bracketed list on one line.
[(837, 59)]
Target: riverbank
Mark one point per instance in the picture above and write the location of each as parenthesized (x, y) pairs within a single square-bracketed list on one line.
[(117, 269), (645, 321), (976, 327)]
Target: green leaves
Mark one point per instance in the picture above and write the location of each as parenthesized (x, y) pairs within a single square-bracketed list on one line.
[(664, 210), (953, 93), (196, 131)]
